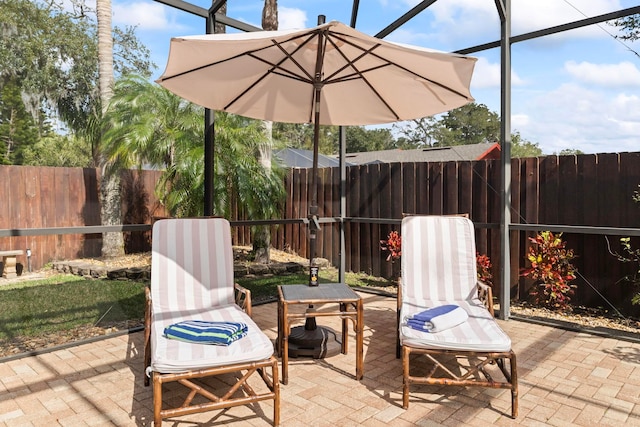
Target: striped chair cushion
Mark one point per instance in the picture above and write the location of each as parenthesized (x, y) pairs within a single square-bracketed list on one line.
[(192, 278), (438, 268), (191, 264), (480, 332)]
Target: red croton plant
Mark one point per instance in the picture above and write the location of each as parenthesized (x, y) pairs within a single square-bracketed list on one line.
[(393, 244), (484, 269), (551, 269)]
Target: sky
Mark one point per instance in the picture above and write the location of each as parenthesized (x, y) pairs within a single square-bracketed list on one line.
[(577, 90)]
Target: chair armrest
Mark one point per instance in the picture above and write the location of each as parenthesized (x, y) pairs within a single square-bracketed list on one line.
[(243, 298), (485, 294)]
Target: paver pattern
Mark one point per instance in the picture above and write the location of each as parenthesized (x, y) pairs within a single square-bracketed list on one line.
[(565, 378)]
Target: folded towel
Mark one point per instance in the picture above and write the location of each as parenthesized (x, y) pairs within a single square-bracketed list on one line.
[(200, 331), (438, 319)]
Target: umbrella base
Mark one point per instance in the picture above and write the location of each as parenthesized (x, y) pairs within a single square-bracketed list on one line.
[(317, 343)]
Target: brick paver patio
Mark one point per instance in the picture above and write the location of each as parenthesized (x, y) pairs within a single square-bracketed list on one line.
[(565, 378)]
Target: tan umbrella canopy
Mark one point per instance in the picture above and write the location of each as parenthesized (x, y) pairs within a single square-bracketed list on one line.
[(331, 74)]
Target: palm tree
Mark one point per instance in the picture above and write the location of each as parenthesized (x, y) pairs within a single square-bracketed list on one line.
[(261, 235), (111, 212), (148, 125)]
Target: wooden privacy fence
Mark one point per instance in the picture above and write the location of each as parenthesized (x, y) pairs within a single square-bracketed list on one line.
[(47, 197), (589, 190)]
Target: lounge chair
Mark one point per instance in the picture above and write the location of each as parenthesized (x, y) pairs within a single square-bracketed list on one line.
[(439, 270), (192, 280)]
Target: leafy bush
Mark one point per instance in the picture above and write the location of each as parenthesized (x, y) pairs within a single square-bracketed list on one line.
[(630, 255), (393, 244), (484, 269), (551, 269)]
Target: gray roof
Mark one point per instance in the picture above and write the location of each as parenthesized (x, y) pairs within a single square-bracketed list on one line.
[(298, 158), (437, 154)]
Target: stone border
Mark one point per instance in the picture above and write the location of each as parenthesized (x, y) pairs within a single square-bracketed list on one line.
[(84, 269), (94, 271)]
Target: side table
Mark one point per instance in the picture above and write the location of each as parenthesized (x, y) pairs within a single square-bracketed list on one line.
[(333, 295)]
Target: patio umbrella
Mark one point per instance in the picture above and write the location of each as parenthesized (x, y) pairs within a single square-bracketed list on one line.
[(331, 74)]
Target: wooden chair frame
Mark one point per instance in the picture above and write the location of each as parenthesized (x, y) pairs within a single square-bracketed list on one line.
[(267, 370), (204, 264), (473, 373)]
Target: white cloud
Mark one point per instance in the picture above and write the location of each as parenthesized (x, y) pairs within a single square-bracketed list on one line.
[(460, 18), (531, 15), (406, 36), (144, 15), (487, 75), (480, 18), (623, 74), (574, 117), (518, 121), (291, 18)]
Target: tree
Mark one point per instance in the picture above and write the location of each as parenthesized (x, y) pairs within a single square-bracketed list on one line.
[(110, 200), (293, 135), (261, 234), (148, 125), (470, 124), (417, 133), (629, 25), (300, 135), (360, 139), (523, 148), (50, 53), (569, 152), (44, 52), (58, 150), (17, 127)]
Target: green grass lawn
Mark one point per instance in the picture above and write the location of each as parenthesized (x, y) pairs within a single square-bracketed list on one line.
[(64, 302)]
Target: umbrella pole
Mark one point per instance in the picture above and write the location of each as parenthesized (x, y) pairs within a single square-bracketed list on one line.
[(314, 225)]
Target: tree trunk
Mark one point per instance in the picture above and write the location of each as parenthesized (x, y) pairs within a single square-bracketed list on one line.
[(110, 206), (262, 234), (270, 15), (220, 28)]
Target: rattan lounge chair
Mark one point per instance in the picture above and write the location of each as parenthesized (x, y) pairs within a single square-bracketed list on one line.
[(192, 279), (439, 268)]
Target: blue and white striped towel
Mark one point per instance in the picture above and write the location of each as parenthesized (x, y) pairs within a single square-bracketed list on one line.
[(438, 318), (203, 332)]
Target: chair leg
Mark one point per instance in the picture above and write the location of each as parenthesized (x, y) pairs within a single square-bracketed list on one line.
[(157, 400), (514, 386), (405, 377), (276, 390)]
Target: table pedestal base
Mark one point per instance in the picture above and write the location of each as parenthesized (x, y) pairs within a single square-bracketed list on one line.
[(318, 343)]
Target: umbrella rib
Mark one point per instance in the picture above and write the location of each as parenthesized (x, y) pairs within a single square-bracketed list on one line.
[(358, 73), (342, 37), (247, 53), (276, 66)]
